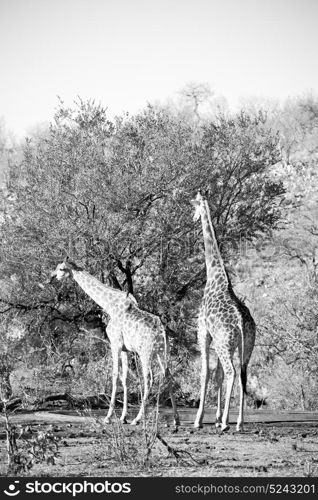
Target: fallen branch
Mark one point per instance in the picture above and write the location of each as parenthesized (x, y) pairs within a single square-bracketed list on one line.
[(100, 401), (11, 404), (177, 452)]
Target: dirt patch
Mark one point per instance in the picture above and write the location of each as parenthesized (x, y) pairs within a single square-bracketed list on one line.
[(275, 449)]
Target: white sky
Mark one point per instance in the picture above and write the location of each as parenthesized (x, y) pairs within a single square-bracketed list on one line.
[(125, 53)]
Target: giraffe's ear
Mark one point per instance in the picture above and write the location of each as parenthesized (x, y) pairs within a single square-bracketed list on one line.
[(196, 197), (203, 193), (194, 203), (66, 259)]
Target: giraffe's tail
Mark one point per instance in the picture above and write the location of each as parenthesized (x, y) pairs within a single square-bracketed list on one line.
[(243, 361), (151, 378), (244, 376), (163, 349), (162, 365)]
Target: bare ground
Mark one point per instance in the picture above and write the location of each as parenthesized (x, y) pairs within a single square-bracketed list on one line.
[(264, 448)]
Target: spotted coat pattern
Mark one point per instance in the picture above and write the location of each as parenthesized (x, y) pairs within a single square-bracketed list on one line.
[(129, 329), (224, 320)]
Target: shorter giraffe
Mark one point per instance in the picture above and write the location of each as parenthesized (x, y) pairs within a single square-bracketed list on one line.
[(223, 319), (129, 329)]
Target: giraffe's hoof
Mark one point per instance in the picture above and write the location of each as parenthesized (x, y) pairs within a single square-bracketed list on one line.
[(239, 428), (197, 425), (123, 420), (134, 422), (225, 428), (106, 420), (218, 425)]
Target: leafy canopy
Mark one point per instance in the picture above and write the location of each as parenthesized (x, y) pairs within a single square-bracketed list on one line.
[(115, 195)]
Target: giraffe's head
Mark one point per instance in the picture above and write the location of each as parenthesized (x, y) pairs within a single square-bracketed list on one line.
[(198, 204), (63, 270)]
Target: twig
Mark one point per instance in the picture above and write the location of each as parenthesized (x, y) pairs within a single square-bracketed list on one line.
[(176, 452)]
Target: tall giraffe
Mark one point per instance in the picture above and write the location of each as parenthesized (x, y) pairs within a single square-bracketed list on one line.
[(223, 319), (129, 329)]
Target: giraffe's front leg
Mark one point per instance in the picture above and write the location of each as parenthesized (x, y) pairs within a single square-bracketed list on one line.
[(204, 344), (115, 356), (218, 415)]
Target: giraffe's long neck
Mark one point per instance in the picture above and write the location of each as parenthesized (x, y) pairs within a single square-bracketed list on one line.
[(214, 263), (106, 297)]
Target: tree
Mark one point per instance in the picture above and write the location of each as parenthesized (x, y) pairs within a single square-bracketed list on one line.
[(8, 149), (196, 94), (115, 195), (297, 123)]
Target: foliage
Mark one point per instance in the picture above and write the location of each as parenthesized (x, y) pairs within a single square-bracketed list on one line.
[(279, 276), (296, 119), (27, 446), (196, 94), (115, 196), (126, 446)]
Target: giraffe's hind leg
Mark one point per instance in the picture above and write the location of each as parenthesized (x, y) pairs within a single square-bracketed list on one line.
[(115, 356), (229, 372), (145, 373), (218, 381), (204, 342), (124, 364), (248, 342)]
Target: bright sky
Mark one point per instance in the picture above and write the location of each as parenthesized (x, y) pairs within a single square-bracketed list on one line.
[(125, 53)]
